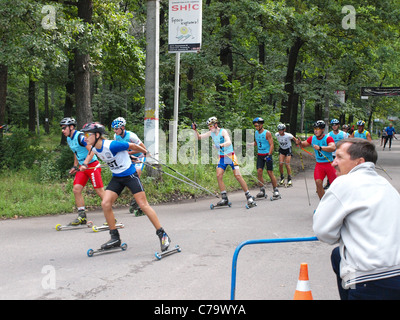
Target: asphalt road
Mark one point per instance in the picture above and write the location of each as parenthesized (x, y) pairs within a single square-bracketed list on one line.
[(38, 262)]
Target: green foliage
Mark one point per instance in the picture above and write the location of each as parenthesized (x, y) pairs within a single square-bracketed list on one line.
[(19, 150)]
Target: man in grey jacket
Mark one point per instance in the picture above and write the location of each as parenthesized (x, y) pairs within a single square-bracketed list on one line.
[(361, 212)]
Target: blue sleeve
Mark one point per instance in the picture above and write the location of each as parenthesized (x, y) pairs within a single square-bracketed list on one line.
[(81, 140), (117, 146)]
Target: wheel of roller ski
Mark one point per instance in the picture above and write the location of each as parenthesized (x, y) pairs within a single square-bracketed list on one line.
[(90, 253), (212, 206), (58, 227)]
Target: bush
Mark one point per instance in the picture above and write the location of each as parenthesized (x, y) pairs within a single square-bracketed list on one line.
[(19, 150)]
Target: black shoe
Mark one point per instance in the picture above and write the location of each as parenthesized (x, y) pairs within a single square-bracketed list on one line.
[(115, 241)]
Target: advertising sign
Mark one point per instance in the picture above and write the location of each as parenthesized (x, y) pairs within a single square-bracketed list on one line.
[(184, 25)]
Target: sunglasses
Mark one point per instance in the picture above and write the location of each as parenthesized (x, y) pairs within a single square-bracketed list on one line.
[(87, 134)]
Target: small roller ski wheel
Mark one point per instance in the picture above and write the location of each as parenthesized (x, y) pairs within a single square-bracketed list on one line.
[(95, 229), (124, 246), (247, 206), (229, 204), (212, 206), (158, 256), (58, 227), (90, 253), (131, 210), (178, 248)]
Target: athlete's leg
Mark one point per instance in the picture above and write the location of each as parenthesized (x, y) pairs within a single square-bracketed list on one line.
[(220, 174), (108, 200), (141, 200)]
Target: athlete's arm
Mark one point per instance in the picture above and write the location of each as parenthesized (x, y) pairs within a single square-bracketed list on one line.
[(203, 135), (228, 141), (268, 136)]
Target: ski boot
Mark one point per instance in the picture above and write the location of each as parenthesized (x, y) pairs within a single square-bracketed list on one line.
[(289, 182), (164, 239), (275, 195), (222, 203), (114, 242), (282, 181), (261, 194), (135, 209), (81, 219), (250, 201)]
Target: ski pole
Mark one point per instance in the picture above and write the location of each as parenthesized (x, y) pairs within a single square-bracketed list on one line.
[(380, 167), (191, 181), (188, 183), (305, 180)]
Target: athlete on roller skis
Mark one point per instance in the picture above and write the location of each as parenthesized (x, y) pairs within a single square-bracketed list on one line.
[(265, 148), (115, 154), (86, 167), (285, 153), (227, 157), (138, 158)]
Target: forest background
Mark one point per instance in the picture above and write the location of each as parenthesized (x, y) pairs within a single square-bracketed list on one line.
[(281, 60)]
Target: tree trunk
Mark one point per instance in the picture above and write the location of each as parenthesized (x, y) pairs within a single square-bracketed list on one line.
[(82, 89), (225, 56), (289, 104), (31, 103), (46, 108), (3, 94), (69, 94), (82, 72), (3, 98), (295, 106)]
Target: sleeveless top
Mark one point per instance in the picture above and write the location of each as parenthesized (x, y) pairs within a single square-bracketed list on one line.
[(218, 139), (77, 145)]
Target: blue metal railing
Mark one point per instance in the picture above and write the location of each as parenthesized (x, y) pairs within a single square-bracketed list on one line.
[(260, 241)]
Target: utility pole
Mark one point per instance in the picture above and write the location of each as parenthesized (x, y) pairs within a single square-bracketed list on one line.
[(151, 109)]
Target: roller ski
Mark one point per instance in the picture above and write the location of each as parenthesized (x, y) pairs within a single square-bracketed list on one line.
[(105, 227), (250, 201), (275, 195), (114, 244), (88, 224), (165, 241), (289, 183), (79, 223), (224, 202), (262, 194), (160, 255), (135, 209)]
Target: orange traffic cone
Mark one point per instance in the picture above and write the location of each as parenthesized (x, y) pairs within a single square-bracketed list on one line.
[(303, 290)]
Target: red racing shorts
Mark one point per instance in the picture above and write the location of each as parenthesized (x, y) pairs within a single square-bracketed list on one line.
[(324, 169), (92, 173)]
